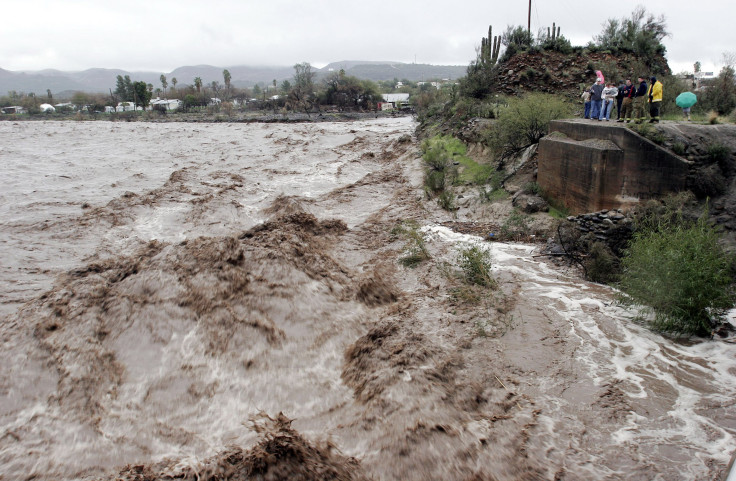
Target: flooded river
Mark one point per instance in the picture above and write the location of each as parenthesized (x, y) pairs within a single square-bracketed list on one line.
[(207, 301)]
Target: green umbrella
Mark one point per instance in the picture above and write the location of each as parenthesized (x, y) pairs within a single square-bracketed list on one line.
[(686, 100)]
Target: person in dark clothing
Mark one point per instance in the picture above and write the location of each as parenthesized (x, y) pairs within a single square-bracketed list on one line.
[(596, 99), (640, 101), (627, 105), (620, 99)]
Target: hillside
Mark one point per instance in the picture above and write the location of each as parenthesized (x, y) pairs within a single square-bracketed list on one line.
[(100, 79), (555, 72)]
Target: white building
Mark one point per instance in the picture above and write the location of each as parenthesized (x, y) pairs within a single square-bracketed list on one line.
[(13, 109), (168, 104), (392, 101)]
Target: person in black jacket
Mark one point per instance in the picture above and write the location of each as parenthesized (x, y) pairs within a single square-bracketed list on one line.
[(596, 99), (640, 101), (620, 99), (627, 105)]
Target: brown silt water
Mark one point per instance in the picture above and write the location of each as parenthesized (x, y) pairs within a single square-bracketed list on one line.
[(228, 301)]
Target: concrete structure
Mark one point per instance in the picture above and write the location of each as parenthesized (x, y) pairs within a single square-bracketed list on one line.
[(591, 166)]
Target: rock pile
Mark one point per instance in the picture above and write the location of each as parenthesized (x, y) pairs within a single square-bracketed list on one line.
[(614, 228)]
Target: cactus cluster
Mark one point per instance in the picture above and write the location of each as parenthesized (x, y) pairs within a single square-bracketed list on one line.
[(489, 48), (554, 34)]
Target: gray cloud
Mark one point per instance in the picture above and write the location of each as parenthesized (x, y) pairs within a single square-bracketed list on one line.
[(162, 35)]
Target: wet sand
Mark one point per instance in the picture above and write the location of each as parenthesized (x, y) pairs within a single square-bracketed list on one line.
[(169, 289)]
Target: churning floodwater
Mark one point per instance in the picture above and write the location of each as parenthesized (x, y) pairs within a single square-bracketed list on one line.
[(168, 288)]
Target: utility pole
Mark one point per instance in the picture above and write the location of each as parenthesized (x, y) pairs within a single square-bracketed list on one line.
[(529, 18)]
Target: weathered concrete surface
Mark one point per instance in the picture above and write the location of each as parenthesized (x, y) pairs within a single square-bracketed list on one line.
[(591, 166)]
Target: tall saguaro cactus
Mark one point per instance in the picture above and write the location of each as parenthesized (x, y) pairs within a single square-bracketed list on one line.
[(489, 48), (555, 34)]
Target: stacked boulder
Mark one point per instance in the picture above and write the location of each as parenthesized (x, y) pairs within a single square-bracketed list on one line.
[(611, 227)]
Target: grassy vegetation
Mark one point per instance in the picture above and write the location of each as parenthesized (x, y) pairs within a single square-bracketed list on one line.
[(415, 251), (648, 131), (517, 226), (558, 212)]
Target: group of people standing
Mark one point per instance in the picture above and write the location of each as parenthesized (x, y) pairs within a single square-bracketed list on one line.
[(630, 100)]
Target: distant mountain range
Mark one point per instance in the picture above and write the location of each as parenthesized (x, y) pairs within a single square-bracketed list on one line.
[(101, 80)]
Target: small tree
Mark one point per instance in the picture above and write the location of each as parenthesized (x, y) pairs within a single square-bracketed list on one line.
[(80, 99), (641, 33), (681, 273), (142, 93), (189, 101), (226, 77), (285, 87), (124, 88), (301, 96), (215, 86), (721, 94)]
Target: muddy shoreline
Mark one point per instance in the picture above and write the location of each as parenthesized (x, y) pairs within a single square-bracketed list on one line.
[(227, 300), (258, 117)]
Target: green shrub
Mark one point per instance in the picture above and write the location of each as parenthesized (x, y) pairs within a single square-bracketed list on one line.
[(601, 265), (718, 152), (492, 195), (678, 148), (475, 264), (446, 200), (524, 121), (681, 274), (532, 188), (438, 153)]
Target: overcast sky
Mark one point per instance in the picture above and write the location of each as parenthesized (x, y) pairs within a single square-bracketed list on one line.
[(160, 35)]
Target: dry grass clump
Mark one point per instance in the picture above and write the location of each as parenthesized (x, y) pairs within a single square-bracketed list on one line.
[(712, 117)]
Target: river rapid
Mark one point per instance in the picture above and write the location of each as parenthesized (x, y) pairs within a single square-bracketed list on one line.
[(226, 301)]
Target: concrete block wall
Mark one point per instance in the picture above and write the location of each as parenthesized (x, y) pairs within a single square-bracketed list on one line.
[(595, 166)]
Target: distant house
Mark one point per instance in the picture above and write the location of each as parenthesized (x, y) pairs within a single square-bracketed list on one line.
[(47, 108), (13, 109), (168, 104), (392, 101), (127, 107)]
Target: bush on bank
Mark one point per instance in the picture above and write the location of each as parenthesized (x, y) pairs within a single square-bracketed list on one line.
[(681, 273)]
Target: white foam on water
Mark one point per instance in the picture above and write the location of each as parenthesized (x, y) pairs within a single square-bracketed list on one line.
[(615, 348)]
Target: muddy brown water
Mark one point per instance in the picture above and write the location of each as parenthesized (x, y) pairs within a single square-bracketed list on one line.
[(226, 301)]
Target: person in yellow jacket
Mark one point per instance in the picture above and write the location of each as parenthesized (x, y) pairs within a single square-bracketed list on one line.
[(654, 99)]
